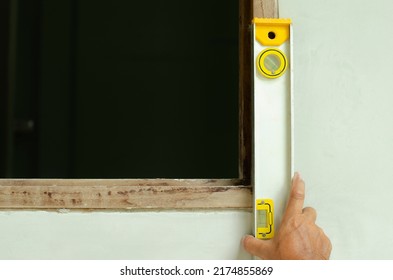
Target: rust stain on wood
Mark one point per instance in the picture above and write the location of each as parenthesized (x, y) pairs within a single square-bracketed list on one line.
[(49, 194)]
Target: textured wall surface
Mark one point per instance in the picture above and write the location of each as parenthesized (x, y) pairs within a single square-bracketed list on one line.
[(133, 235), (343, 120)]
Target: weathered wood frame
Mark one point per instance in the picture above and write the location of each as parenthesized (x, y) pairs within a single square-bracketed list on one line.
[(156, 194)]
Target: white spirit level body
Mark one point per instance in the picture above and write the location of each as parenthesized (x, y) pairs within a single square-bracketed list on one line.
[(273, 113)]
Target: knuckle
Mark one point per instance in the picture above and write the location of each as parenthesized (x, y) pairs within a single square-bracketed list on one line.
[(325, 239), (310, 210), (296, 222), (298, 195)]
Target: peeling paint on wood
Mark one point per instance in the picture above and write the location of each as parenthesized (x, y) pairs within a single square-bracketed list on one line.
[(124, 194)]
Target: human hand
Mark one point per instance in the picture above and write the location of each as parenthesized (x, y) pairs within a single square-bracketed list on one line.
[(298, 238)]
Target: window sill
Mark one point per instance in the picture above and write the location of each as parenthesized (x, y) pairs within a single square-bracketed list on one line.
[(124, 194)]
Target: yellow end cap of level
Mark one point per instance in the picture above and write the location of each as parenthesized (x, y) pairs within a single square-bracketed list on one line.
[(271, 31)]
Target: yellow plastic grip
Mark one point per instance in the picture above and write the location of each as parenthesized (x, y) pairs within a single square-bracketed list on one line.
[(271, 31), (265, 218)]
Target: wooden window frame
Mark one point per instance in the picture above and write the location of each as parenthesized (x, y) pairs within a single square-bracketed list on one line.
[(157, 194)]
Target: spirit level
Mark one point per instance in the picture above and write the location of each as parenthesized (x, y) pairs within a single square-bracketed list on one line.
[(273, 121)]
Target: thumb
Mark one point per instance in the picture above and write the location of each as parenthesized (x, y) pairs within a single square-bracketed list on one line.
[(256, 247)]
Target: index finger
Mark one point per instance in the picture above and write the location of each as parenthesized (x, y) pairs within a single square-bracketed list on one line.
[(296, 198)]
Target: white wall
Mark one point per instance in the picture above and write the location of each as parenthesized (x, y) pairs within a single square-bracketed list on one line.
[(344, 119), (344, 150), (132, 235)]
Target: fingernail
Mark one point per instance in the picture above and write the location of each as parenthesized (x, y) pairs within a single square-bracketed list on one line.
[(244, 238)]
